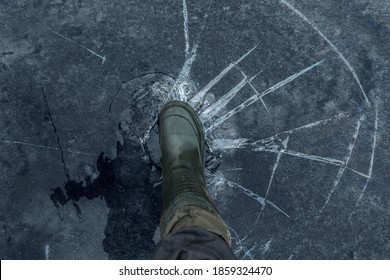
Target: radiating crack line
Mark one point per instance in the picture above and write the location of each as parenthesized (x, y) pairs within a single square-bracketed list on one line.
[(221, 144), (238, 242), (259, 146), (342, 168), (310, 125), (45, 147), (370, 169), (103, 58), (47, 252), (267, 246), (197, 99), (186, 31), (217, 106), (261, 99), (273, 173), (337, 51), (186, 69), (253, 88), (209, 112), (190, 56), (252, 195), (255, 223), (257, 97), (331, 161), (249, 253), (359, 173), (268, 188), (374, 143)]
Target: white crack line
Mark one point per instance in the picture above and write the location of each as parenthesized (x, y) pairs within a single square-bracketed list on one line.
[(257, 97), (103, 58), (337, 51)]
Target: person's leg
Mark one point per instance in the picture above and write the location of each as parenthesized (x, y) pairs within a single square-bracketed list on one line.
[(193, 243), (189, 215)]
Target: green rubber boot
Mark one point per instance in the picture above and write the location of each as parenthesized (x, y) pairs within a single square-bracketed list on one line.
[(186, 201)]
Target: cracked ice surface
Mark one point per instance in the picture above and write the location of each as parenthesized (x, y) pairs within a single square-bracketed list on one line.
[(292, 103)]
